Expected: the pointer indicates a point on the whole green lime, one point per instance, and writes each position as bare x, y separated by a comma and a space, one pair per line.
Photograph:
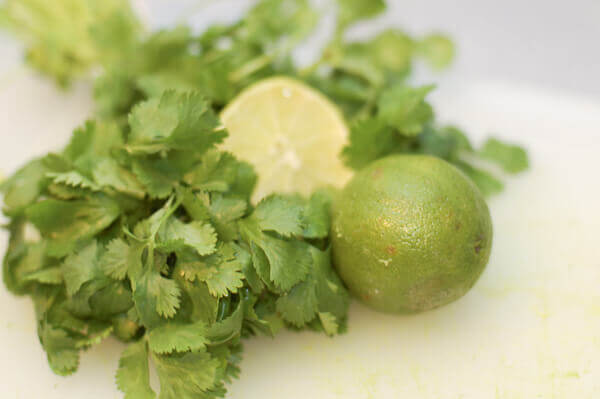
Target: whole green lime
410, 233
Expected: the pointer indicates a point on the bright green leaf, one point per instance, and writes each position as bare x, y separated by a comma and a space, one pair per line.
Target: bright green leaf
81, 267
66, 223
405, 109
512, 158
175, 337
281, 214
189, 375
133, 376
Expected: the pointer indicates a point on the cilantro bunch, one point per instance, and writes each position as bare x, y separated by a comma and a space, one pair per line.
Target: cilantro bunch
147, 233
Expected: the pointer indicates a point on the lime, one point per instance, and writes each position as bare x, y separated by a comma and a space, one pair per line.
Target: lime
410, 233
292, 135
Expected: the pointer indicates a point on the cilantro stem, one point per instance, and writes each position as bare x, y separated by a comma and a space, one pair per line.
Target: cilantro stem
250, 67
311, 69
368, 106
171, 208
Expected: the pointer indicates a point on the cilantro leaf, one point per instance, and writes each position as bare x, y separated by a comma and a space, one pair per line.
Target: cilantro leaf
67, 223
81, 267
155, 298
222, 172
370, 139
320, 292
316, 215
299, 306
197, 301
280, 214
92, 142
108, 173
329, 322
197, 235
176, 121
175, 337
157, 176
512, 158
288, 261
195, 205
405, 109
61, 349
64, 49
187, 375
487, 183
73, 179
276, 20
133, 376
119, 258
24, 187
52, 275
224, 213
224, 274
21, 261
392, 50
111, 300
353, 10
438, 50
228, 328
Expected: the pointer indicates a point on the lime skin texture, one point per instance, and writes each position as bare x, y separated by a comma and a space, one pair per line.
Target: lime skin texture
410, 233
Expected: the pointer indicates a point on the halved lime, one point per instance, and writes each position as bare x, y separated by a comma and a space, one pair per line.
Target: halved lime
292, 134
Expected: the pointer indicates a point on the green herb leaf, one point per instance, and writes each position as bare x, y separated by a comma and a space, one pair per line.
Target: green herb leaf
353, 10
174, 337
405, 109
81, 267
176, 121
155, 297
62, 351
512, 158
24, 187
282, 215
133, 376
438, 50
186, 376
197, 235
67, 223
487, 183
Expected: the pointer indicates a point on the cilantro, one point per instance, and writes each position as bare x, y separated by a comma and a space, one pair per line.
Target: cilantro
68, 223
405, 109
67, 38
353, 10
146, 231
437, 50
403, 122
173, 123
133, 376
80, 267
512, 158
173, 337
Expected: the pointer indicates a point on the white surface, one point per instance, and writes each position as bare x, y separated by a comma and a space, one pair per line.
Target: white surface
529, 329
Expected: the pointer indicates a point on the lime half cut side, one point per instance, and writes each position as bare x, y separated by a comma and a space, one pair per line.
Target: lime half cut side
290, 133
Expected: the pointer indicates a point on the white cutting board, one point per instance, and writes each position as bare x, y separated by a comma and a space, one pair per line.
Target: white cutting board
529, 329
